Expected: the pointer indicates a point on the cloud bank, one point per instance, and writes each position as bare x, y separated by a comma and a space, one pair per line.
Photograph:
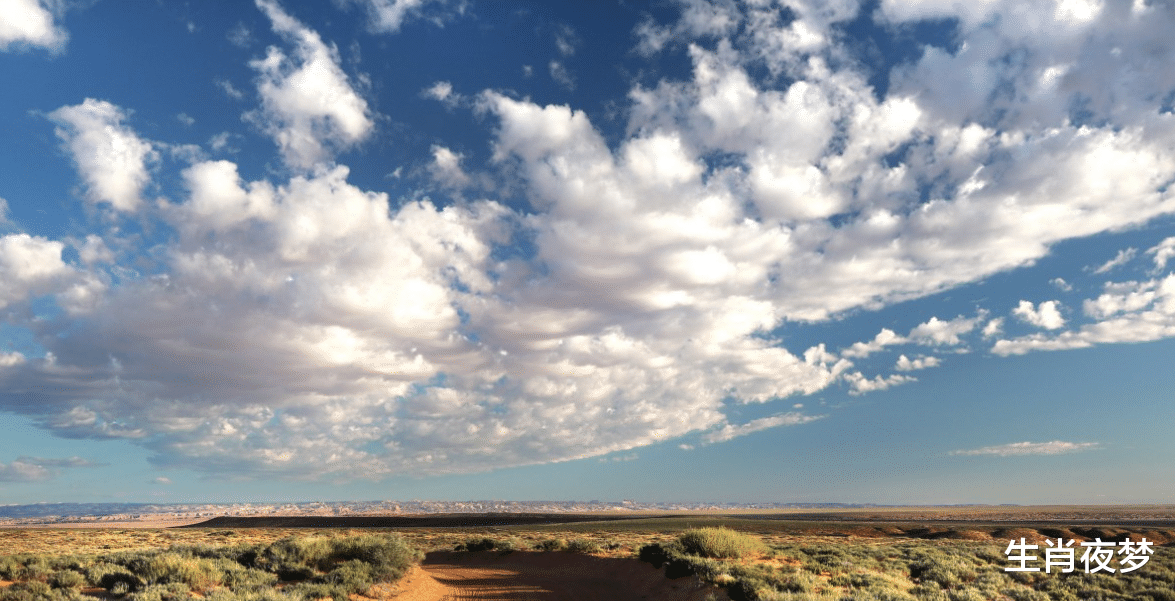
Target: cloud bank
300, 326
1056, 447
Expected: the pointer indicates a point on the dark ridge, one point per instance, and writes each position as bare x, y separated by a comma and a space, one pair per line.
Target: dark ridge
898, 518
437, 520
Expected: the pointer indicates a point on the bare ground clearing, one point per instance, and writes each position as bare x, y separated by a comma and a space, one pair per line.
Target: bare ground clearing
526, 576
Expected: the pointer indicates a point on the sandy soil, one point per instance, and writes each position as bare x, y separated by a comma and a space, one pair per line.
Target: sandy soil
525, 576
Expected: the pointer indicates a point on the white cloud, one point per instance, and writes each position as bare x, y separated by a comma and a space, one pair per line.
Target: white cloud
1047, 315
446, 168
25, 23
938, 332
699, 19
566, 40
111, 158
36, 469
1061, 284
886, 337
229, 89
1126, 312
561, 75
906, 364
1124, 256
304, 323
94, 250
1163, 252
859, 384
442, 91
1056, 447
730, 431
387, 16
30, 266
308, 104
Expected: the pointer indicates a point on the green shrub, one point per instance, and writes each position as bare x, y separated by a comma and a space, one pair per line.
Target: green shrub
317, 590
390, 556
174, 591
171, 568
718, 542
66, 579
354, 576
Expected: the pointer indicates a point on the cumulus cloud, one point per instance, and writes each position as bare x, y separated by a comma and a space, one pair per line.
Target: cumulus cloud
886, 337
308, 104
1056, 447
31, 23
442, 91
859, 384
1047, 315
446, 168
1125, 312
993, 328
110, 157
36, 469
651, 278
939, 332
30, 266
731, 431
906, 364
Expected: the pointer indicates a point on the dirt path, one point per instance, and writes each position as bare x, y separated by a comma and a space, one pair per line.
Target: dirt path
523, 576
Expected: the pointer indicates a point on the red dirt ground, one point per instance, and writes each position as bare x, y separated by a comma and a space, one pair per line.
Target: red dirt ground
555, 576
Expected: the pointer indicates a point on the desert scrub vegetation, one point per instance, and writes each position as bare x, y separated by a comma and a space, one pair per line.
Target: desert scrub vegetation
720, 542
907, 571
290, 569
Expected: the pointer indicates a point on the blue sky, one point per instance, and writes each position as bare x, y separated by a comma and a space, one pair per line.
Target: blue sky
906, 251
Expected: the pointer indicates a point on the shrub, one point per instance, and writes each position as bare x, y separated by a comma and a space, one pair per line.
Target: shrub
66, 579
390, 556
583, 545
120, 582
318, 590
354, 576
169, 568
718, 542
175, 591
477, 544
551, 544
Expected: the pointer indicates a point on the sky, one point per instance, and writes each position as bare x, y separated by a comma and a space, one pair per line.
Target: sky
893, 251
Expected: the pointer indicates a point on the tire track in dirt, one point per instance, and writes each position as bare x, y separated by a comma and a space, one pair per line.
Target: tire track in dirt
555, 576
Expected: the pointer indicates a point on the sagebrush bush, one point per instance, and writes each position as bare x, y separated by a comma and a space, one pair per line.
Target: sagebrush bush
583, 545
173, 568
66, 579
551, 544
719, 542
477, 544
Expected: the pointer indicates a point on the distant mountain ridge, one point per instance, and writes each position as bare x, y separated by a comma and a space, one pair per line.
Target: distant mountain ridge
337, 508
